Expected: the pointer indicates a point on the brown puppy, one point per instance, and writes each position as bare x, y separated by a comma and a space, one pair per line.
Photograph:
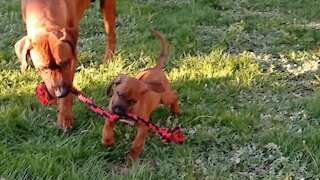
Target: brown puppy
52, 34
140, 95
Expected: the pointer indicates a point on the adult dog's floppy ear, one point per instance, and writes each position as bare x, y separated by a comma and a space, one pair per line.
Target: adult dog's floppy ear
70, 35
63, 44
22, 48
116, 81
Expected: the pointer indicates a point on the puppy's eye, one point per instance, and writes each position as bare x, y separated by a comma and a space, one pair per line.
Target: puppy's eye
119, 93
132, 101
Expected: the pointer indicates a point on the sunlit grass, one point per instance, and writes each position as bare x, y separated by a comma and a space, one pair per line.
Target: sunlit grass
247, 78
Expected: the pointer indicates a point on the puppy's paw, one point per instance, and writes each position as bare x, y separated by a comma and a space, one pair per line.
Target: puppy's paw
108, 134
108, 141
132, 155
65, 123
175, 110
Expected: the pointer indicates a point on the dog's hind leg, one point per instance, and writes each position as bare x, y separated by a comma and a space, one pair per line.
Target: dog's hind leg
174, 105
170, 99
108, 10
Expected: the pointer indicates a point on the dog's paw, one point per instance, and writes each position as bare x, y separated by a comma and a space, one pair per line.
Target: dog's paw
132, 155
65, 123
175, 111
108, 56
108, 141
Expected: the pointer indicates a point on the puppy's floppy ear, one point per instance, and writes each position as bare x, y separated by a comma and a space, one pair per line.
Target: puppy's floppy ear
22, 49
155, 86
116, 81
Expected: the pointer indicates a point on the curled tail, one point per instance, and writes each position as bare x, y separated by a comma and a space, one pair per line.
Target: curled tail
163, 54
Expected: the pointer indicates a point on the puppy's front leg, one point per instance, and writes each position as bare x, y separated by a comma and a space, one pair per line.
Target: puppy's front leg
65, 115
108, 134
138, 143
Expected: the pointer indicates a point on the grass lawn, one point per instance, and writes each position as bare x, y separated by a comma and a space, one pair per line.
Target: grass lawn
247, 77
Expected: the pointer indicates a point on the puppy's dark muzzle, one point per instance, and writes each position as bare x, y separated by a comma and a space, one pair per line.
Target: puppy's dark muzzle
118, 110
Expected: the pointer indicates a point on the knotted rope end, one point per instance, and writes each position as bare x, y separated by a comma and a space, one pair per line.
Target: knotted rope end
43, 95
177, 135
174, 135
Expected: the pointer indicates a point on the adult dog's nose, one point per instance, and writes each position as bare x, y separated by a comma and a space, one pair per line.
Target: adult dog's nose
61, 92
118, 110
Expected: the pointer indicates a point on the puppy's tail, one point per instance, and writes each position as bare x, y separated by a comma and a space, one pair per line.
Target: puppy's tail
163, 54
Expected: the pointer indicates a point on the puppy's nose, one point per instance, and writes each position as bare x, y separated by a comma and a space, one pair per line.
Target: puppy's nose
61, 92
118, 110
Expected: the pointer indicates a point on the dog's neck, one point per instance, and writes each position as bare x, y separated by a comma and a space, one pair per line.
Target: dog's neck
56, 30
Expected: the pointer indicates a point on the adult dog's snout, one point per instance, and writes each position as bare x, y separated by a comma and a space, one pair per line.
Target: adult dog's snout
62, 91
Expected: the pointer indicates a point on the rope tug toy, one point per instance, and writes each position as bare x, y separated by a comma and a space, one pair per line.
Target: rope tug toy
167, 134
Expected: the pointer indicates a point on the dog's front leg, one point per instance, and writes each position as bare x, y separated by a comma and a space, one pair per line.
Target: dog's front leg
108, 133
65, 115
138, 143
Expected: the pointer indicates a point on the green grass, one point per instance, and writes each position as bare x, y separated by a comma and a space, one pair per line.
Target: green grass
247, 77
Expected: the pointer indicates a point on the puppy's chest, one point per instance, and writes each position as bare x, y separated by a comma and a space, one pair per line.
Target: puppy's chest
147, 106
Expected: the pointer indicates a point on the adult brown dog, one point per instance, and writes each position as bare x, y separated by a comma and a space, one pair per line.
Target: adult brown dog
52, 34
140, 95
